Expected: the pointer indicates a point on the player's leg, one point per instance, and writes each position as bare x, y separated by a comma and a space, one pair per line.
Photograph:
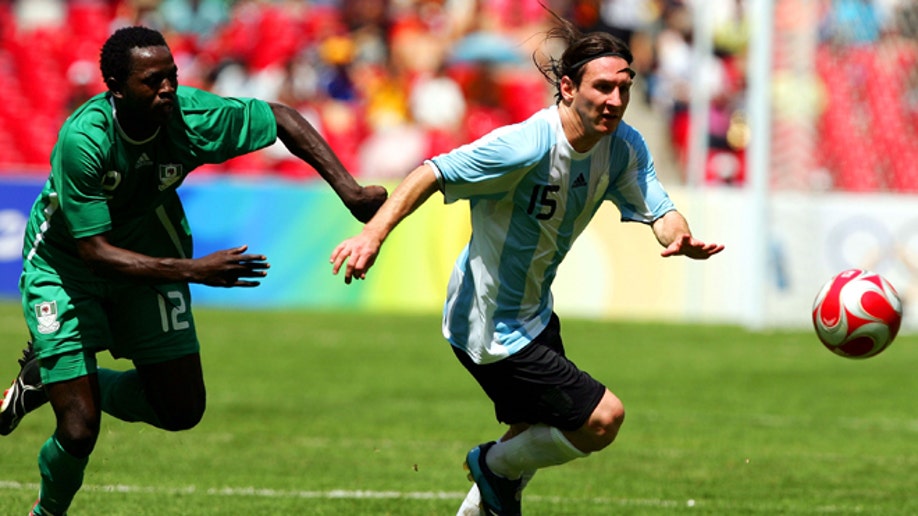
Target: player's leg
73, 392
155, 329
471, 505
175, 390
65, 324
494, 492
560, 439
123, 397
543, 445
539, 384
601, 428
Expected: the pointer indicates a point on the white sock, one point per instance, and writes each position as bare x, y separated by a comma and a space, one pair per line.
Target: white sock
471, 506
538, 446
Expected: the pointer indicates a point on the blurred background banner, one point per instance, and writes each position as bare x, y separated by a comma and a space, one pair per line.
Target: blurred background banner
297, 225
16, 197
614, 270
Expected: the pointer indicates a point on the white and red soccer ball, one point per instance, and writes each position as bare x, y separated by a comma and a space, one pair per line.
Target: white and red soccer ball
857, 314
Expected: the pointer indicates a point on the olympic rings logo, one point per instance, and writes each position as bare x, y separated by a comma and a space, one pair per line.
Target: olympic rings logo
868, 243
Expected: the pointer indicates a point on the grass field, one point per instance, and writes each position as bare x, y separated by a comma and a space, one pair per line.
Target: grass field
359, 414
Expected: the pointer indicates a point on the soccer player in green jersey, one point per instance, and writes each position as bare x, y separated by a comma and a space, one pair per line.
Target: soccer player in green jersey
108, 252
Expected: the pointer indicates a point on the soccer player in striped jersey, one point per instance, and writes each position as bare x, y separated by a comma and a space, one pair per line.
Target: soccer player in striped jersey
532, 188
108, 252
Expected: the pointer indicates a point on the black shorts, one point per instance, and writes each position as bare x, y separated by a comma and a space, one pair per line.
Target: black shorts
538, 384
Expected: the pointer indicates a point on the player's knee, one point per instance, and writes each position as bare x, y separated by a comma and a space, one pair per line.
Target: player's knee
77, 439
176, 422
184, 417
605, 422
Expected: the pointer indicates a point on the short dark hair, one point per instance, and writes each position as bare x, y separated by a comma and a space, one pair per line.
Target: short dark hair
115, 57
580, 49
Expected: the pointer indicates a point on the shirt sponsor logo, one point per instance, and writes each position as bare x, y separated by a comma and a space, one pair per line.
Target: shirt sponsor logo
46, 313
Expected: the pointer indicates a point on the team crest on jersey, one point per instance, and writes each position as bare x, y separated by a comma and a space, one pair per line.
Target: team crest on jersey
46, 313
169, 174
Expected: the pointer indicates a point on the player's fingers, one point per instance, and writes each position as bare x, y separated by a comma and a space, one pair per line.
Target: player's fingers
251, 258
339, 257
671, 249
349, 272
251, 274
336, 252
361, 263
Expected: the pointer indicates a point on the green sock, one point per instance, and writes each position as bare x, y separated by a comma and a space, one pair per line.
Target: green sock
61, 477
123, 397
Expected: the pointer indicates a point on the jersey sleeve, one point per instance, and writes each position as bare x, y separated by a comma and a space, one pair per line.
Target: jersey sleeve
636, 190
78, 178
226, 127
493, 165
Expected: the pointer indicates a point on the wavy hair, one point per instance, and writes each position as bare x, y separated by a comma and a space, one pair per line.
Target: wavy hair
580, 49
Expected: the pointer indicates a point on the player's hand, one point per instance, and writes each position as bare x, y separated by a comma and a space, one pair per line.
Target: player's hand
692, 248
359, 253
367, 202
226, 268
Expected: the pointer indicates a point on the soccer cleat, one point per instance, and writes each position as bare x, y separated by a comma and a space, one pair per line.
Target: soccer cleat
26, 394
43, 513
499, 496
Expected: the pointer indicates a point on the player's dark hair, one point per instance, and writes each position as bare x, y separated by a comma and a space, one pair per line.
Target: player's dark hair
580, 49
115, 57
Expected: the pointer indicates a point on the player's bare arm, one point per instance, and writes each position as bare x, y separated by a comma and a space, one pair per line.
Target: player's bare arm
225, 268
360, 252
673, 233
302, 139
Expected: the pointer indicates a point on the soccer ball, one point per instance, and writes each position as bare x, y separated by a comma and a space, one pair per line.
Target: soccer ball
857, 314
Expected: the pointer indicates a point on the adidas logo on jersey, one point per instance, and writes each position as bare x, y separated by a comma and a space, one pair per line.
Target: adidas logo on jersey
143, 161
580, 181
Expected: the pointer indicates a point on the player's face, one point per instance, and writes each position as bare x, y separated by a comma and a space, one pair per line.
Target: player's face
148, 94
603, 95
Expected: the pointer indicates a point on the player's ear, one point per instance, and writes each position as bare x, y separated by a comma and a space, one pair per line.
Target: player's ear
113, 86
567, 89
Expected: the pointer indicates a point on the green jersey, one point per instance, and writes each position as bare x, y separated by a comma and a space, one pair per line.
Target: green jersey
103, 181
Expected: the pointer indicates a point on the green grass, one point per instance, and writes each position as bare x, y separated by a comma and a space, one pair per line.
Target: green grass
352, 414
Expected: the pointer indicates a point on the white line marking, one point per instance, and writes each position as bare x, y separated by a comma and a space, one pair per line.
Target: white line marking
331, 494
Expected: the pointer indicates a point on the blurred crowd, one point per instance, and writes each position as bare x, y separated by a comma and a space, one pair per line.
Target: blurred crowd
387, 82
391, 82
867, 65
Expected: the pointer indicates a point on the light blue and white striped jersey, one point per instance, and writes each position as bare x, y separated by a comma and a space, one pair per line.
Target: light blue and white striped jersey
531, 194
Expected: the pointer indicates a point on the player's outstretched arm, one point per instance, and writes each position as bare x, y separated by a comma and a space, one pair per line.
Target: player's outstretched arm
357, 254
673, 233
302, 139
226, 268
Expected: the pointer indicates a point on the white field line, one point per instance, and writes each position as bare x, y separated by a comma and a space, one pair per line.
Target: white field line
333, 494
